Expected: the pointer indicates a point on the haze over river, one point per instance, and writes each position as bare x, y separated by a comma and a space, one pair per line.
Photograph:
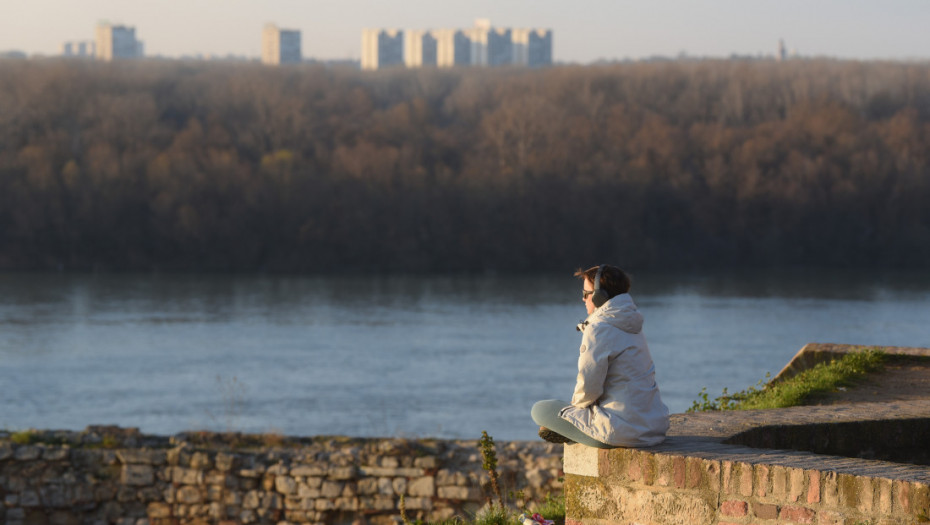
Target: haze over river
399, 356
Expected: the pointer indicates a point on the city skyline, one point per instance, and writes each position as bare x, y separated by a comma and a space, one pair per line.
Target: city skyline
607, 30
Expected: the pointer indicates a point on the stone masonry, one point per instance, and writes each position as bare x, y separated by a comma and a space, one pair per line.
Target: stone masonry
108, 475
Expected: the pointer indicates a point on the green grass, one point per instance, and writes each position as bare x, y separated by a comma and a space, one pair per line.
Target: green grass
799, 389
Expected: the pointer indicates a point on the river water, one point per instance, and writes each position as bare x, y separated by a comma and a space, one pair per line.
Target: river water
398, 356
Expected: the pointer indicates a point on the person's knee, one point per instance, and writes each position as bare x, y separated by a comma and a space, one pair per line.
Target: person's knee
545, 410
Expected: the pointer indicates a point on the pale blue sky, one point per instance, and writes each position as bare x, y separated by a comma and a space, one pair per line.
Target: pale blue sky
584, 30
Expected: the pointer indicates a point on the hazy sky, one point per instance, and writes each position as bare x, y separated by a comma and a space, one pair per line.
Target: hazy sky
583, 30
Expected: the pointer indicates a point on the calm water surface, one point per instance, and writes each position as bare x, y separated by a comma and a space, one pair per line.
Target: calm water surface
397, 356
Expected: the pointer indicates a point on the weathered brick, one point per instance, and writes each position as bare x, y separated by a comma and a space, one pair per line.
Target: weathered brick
795, 484
764, 511
830, 517
694, 472
711, 474
745, 479
847, 490
679, 467
901, 496
829, 489
866, 494
762, 480
884, 496
813, 486
663, 469
797, 514
779, 482
734, 508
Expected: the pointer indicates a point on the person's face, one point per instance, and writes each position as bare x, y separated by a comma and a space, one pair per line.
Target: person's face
588, 291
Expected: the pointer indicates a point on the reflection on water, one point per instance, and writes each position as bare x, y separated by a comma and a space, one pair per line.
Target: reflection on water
437, 356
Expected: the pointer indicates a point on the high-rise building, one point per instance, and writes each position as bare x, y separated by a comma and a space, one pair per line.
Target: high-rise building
532, 47
85, 49
382, 48
420, 48
280, 46
453, 48
116, 42
481, 45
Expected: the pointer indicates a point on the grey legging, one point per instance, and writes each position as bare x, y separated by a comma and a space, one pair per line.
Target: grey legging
546, 414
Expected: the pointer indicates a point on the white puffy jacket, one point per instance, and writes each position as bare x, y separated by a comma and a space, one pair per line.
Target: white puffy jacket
616, 399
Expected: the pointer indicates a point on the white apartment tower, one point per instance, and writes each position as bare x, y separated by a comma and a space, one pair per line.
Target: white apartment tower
116, 42
420, 48
280, 46
382, 48
481, 45
532, 47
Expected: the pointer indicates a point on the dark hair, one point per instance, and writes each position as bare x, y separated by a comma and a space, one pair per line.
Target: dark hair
613, 280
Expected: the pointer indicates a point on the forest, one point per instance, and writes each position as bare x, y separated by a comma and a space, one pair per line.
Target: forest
159, 165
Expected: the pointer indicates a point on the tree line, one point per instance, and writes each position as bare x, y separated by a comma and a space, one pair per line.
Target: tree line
184, 166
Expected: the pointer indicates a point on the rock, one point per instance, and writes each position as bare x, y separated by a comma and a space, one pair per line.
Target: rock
137, 475
285, 484
26, 453
189, 495
425, 486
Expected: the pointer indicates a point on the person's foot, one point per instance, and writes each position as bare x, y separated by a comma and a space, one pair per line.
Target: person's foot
552, 436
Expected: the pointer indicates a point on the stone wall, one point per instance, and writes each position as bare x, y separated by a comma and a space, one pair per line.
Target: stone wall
108, 475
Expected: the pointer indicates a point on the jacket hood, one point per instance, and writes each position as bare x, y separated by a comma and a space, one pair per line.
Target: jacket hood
620, 311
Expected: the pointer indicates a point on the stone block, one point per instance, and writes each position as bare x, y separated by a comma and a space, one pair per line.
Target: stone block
399, 485
224, 461
201, 461
711, 474
29, 498
422, 487
389, 462
26, 453
158, 510
418, 503
285, 485
830, 517
460, 493
331, 489
6, 450
186, 476
137, 475
581, 460
426, 462
251, 500
55, 454
866, 494
368, 486
347, 504
342, 473
307, 471
189, 495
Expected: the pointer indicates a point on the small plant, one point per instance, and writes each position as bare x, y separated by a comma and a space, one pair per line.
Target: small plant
25, 437
553, 508
402, 506
489, 463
